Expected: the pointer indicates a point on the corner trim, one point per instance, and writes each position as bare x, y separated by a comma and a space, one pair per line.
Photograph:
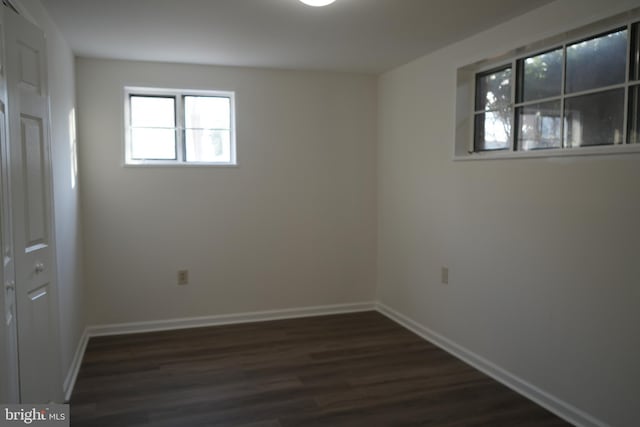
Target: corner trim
225, 319
562, 409
72, 374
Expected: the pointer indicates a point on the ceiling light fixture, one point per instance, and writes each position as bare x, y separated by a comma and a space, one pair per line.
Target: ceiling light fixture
317, 3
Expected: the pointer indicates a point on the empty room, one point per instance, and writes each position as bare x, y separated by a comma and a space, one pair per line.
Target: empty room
280, 213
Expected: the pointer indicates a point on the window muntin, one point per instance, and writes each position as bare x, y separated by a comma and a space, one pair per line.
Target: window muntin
176, 127
634, 115
552, 102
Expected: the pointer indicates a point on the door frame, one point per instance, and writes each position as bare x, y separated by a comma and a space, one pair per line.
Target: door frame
9, 381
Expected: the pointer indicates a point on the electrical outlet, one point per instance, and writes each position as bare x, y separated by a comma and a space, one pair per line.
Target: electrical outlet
183, 277
445, 275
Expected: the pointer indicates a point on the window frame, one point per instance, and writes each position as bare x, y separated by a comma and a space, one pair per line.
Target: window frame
465, 138
178, 96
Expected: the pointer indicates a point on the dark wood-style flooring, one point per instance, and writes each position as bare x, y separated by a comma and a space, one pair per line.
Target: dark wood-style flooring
357, 369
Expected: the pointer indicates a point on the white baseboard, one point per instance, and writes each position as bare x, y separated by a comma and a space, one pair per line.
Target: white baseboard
544, 399
562, 409
195, 322
72, 375
225, 319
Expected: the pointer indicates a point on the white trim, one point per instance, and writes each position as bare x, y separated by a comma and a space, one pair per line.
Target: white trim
72, 375
197, 322
562, 409
179, 110
174, 164
225, 319
22, 10
595, 150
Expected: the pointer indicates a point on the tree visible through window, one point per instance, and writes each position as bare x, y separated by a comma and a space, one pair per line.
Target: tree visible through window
567, 96
493, 110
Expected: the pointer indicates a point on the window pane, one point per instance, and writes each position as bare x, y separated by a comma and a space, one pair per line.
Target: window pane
493, 90
207, 112
598, 62
634, 66
540, 76
540, 126
153, 144
634, 115
153, 111
595, 119
492, 131
208, 146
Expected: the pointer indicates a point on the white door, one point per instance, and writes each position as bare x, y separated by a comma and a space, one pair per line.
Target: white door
9, 386
36, 294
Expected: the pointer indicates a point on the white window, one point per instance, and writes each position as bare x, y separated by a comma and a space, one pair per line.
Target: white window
572, 94
171, 127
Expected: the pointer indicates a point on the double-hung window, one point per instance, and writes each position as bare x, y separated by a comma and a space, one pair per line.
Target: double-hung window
567, 94
165, 127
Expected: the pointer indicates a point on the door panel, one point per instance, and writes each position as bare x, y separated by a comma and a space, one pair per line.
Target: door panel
36, 296
29, 77
33, 387
32, 157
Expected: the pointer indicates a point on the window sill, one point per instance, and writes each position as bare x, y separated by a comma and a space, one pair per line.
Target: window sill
179, 165
562, 152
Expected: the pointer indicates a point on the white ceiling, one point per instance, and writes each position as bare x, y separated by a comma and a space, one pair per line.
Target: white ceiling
350, 35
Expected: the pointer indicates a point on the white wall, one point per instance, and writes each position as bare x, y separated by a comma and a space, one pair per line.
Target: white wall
543, 253
294, 225
66, 202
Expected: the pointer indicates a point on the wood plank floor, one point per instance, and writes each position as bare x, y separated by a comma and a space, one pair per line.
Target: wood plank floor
345, 370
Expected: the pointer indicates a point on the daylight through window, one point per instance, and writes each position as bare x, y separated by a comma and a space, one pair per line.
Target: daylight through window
171, 127
582, 93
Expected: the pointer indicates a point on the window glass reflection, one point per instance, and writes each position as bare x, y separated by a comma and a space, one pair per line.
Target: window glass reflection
595, 119
493, 90
540, 126
540, 76
598, 62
